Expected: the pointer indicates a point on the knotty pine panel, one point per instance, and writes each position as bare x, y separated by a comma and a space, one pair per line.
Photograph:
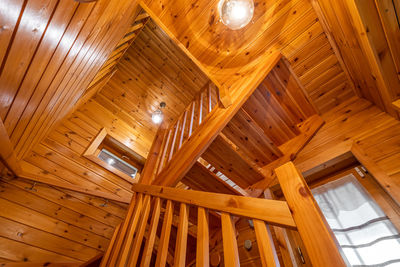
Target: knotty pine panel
50, 52
50, 225
291, 26
357, 120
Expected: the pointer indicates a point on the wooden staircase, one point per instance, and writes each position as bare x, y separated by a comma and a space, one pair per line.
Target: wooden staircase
251, 143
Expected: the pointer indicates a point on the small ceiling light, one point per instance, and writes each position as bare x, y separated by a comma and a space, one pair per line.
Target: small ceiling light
236, 13
158, 115
110, 161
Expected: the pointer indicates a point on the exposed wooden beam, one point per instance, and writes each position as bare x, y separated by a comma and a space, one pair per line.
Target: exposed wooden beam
290, 150
315, 232
205, 134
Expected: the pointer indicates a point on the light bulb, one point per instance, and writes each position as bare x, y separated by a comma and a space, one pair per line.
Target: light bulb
110, 161
157, 116
236, 13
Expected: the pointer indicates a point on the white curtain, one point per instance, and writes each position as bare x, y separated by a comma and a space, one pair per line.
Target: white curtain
366, 235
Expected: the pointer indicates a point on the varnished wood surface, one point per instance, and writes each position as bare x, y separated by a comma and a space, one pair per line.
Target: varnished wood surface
48, 224
51, 51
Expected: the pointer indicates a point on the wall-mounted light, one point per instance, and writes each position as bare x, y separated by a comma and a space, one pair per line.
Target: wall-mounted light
158, 116
236, 14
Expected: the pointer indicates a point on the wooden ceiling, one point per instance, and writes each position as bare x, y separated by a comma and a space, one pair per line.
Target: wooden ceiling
153, 70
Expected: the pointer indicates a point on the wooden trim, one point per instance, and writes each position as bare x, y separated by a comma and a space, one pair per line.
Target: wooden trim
315, 232
273, 211
396, 104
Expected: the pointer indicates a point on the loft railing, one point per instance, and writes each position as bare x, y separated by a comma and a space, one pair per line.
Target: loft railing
299, 211
192, 117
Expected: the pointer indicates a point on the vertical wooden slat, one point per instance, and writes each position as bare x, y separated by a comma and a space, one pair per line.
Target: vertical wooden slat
209, 100
231, 254
148, 248
133, 207
200, 110
181, 238
129, 233
318, 238
202, 253
106, 256
165, 233
265, 244
137, 243
183, 128
165, 152
171, 152
192, 118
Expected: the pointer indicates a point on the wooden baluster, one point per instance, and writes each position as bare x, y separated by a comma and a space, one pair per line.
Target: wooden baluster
165, 233
164, 153
192, 118
137, 243
130, 232
134, 208
183, 128
172, 151
209, 100
181, 238
200, 108
148, 248
202, 253
106, 256
265, 244
315, 232
231, 254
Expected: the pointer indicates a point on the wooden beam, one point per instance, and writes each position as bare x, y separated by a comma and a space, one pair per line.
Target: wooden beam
290, 150
205, 134
72, 187
273, 211
315, 232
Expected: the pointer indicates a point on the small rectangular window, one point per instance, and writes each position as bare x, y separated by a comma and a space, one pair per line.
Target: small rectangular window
117, 163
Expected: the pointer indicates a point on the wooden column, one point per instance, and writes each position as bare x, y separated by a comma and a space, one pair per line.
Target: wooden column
318, 238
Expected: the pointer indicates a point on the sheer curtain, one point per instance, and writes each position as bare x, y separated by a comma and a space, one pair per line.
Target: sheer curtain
365, 234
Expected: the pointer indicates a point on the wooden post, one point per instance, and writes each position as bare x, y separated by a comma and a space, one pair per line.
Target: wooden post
265, 244
231, 254
165, 234
318, 238
202, 253
181, 238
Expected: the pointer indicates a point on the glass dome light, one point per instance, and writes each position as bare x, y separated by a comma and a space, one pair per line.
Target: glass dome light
158, 116
236, 14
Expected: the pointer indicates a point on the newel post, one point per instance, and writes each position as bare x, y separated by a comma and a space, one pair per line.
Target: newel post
318, 238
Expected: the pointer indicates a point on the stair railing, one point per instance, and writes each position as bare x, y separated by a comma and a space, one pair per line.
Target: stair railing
191, 118
299, 212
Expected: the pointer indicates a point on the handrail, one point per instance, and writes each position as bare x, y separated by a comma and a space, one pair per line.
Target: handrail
272, 211
303, 216
191, 118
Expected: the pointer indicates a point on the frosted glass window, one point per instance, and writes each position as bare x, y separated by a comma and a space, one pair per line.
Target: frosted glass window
365, 234
117, 163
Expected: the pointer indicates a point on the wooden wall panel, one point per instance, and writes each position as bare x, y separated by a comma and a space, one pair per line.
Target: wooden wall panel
359, 121
291, 26
50, 51
47, 224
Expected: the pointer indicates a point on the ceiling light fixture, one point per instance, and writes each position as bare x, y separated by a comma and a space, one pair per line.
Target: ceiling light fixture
157, 116
236, 14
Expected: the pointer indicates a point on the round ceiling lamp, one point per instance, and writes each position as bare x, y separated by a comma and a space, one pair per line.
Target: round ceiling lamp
158, 116
236, 14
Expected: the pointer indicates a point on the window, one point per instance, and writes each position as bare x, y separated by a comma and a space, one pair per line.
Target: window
117, 163
365, 233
